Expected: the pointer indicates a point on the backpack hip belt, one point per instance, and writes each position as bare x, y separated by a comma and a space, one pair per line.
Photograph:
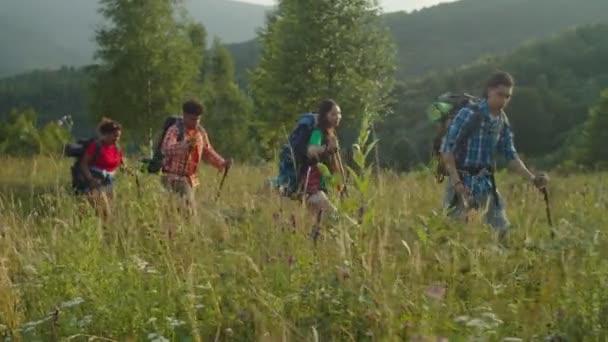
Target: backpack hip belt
103, 173
481, 171
475, 171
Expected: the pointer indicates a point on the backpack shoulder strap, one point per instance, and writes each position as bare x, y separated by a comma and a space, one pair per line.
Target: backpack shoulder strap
505, 120
180, 129
97, 143
473, 125
201, 130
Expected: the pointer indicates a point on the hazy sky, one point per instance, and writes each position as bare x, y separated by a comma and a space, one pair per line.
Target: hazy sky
388, 5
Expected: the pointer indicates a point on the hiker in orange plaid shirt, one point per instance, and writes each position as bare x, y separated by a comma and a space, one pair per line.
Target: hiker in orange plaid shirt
181, 158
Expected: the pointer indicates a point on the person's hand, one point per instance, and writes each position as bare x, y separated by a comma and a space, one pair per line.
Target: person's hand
460, 188
464, 194
332, 146
540, 180
191, 142
228, 164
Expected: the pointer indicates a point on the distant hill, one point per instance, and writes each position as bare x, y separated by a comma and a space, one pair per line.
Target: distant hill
451, 34
38, 34
559, 70
52, 94
557, 80
48, 34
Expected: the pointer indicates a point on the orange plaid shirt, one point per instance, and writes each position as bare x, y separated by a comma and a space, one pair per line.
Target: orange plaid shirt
181, 162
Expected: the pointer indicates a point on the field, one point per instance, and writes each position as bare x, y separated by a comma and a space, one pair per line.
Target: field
246, 269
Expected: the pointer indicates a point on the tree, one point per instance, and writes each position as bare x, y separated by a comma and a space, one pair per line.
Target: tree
316, 49
597, 132
149, 63
20, 136
229, 111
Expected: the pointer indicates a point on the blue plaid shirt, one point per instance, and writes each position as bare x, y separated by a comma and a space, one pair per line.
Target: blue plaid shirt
478, 150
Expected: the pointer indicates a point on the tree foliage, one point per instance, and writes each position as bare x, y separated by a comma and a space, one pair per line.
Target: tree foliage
317, 49
51, 94
556, 81
149, 63
452, 34
229, 111
20, 135
597, 132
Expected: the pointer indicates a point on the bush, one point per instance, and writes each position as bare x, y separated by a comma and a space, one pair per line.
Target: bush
20, 136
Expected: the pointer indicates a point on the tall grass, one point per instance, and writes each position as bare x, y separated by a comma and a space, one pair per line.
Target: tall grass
244, 268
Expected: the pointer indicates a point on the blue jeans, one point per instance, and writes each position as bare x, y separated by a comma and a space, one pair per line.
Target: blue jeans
495, 215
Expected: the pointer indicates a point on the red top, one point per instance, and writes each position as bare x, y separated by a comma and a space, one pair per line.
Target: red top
108, 159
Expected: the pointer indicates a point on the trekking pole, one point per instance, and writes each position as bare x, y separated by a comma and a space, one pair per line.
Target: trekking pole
219, 190
547, 206
137, 184
316, 230
306, 185
134, 174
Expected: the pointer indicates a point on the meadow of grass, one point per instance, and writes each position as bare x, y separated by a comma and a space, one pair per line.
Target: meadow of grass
246, 269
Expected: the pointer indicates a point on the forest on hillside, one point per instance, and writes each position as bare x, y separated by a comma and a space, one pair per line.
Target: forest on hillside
558, 80
448, 35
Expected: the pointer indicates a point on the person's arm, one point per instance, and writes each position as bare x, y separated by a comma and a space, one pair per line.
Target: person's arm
460, 121
170, 145
211, 156
517, 166
123, 164
315, 148
506, 146
85, 164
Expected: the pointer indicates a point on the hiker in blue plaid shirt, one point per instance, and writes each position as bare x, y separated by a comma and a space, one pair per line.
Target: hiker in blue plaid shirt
471, 165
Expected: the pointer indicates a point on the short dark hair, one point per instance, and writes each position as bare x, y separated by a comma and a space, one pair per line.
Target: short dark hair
499, 78
108, 126
193, 107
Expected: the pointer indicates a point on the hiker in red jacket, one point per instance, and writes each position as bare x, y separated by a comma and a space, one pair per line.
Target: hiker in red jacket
99, 164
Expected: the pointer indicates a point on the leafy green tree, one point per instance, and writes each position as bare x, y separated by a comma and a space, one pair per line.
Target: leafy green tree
597, 132
53, 137
229, 111
149, 63
20, 136
316, 49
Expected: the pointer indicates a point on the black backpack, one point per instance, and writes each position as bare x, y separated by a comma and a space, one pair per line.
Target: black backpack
77, 150
155, 164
